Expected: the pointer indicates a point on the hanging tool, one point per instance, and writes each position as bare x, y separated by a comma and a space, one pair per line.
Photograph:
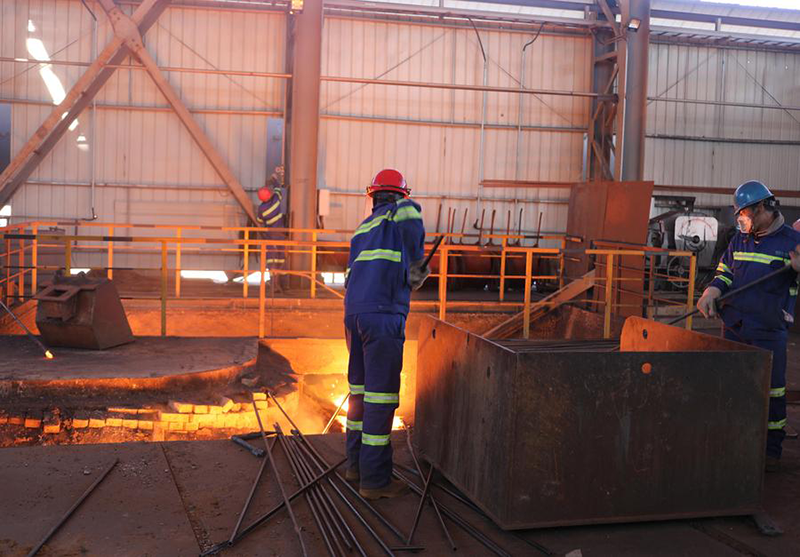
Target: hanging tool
735, 292
47, 353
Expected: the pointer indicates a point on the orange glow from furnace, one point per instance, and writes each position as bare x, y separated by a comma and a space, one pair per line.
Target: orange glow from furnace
48, 355
397, 422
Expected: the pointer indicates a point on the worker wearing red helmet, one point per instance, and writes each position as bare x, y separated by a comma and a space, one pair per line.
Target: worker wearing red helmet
270, 215
761, 315
385, 265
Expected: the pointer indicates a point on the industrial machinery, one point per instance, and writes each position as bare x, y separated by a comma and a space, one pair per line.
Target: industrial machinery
82, 312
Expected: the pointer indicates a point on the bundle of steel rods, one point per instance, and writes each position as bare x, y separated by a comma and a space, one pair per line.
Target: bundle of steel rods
325, 490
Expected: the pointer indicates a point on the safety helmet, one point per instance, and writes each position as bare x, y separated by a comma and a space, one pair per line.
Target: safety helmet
389, 180
750, 193
265, 194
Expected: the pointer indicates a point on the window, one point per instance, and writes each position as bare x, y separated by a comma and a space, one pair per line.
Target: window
5, 213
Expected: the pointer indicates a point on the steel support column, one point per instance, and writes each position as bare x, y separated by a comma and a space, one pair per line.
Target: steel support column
631, 151
307, 32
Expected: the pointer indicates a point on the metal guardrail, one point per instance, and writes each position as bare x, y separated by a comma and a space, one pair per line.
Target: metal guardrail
24, 241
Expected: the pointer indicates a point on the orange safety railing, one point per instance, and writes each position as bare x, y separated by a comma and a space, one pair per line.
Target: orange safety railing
23, 243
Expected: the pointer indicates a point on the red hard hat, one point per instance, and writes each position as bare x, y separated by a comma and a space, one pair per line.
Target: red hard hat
264, 194
389, 180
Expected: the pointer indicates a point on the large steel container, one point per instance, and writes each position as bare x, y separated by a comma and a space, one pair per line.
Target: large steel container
671, 424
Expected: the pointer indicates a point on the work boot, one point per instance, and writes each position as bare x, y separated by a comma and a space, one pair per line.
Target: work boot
352, 474
773, 464
394, 488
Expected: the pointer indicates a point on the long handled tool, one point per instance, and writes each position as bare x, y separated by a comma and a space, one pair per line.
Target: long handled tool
433, 251
735, 292
47, 353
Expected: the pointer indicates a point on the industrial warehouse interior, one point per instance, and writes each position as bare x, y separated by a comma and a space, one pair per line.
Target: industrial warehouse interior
390, 277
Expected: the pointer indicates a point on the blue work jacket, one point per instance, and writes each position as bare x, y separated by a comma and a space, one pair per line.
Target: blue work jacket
768, 307
381, 251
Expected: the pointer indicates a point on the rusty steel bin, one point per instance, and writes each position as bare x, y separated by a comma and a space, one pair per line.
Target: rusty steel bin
665, 424
82, 312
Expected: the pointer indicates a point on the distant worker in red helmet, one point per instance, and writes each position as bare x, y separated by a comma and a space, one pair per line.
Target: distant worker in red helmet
270, 214
385, 265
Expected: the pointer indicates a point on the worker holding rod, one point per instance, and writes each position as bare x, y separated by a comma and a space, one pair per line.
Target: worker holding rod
762, 314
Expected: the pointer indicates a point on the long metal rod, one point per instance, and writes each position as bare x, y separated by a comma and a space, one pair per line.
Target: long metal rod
307, 448
455, 517
423, 497
77, 504
352, 490
286, 499
333, 418
47, 353
433, 500
141, 108
319, 461
310, 496
249, 496
266, 516
724, 103
335, 518
465, 87
735, 292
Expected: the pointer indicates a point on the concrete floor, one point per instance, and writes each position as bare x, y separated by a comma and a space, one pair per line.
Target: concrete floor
174, 499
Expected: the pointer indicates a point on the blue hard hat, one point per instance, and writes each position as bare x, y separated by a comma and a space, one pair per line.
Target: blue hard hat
749, 194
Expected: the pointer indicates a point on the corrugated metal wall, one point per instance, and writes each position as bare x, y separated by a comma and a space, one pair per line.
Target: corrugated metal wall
149, 171
147, 167
433, 135
722, 146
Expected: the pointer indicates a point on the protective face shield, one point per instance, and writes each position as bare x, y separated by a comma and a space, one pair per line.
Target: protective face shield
744, 220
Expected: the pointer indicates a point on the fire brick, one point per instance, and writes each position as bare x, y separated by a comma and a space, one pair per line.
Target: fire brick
177, 426
173, 417
33, 420
97, 422
16, 419
259, 396
145, 424
80, 421
52, 423
181, 407
201, 408
130, 424
114, 422
226, 403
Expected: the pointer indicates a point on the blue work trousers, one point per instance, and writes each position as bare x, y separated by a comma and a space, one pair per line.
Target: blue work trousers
375, 342
777, 392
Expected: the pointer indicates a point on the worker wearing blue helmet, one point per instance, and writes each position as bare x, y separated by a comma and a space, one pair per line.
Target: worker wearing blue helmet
760, 316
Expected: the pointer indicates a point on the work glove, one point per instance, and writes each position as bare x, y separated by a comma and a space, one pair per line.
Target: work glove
795, 255
417, 275
707, 304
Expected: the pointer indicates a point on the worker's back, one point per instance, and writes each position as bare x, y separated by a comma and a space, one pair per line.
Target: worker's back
381, 250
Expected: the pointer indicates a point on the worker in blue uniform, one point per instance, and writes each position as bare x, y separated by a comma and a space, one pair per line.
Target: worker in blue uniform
385, 264
270, 215
760, 316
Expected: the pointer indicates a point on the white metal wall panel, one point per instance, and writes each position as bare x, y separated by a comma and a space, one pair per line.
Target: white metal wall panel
433, 135
143, 144
723, 146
